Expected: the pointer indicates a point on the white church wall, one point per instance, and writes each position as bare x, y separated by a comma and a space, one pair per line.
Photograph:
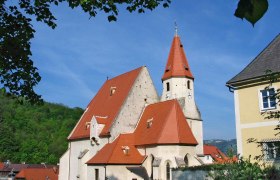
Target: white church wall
207, 159
78, 166
113, 172
64, 165
179, 89
167, 153
143, 92
91, 172
70, 160
197, 130
121, 172
75, 148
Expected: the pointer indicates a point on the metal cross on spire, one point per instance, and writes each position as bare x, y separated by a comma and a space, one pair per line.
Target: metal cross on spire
176, 29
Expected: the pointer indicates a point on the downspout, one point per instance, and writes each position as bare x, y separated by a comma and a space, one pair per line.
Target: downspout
231, 88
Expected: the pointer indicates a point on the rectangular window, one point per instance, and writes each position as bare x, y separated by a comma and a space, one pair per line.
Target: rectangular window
268, 100
167, 87
96, 174
271, 150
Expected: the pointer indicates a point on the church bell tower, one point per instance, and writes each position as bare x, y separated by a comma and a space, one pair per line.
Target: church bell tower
178, 83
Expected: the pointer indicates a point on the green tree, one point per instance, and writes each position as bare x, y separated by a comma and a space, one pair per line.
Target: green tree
243, 169
18, 75
34, 134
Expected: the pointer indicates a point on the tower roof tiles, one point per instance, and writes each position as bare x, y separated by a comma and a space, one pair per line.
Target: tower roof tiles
177, 64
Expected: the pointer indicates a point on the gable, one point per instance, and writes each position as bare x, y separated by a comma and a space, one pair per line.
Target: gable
105, 105
167, 126
114, 153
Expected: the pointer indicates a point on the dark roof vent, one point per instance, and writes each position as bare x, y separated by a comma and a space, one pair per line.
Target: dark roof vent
167, 69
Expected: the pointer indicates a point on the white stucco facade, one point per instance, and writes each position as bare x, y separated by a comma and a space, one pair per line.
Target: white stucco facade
167, 153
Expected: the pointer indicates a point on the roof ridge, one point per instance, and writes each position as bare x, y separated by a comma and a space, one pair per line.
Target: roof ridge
125, 73
113, 149
164, 124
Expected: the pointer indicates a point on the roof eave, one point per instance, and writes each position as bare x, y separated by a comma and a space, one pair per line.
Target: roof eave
249, 82
106, 164
169, 77
173, 144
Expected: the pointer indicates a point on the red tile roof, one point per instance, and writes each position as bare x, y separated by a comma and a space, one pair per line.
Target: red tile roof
1, 165
113, 153
104, 105
215, 153
168, 125
177, 64
37, 174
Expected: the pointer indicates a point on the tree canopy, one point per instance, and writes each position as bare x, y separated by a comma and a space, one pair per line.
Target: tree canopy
18, 75
34, 134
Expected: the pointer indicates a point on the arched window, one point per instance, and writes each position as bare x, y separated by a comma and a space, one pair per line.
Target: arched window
168, 171
186, 160
189, 85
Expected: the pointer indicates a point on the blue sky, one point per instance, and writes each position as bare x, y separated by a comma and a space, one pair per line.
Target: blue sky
75, 58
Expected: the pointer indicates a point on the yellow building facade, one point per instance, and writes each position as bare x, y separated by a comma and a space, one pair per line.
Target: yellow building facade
254, 98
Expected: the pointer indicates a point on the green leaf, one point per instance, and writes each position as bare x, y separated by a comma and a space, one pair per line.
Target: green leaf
3, 90
112, 18
251, 10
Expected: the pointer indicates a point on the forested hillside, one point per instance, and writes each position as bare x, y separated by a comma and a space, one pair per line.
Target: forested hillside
226, 146
34, 134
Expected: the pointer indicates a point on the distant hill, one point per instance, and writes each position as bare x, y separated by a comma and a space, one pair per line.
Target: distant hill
223, 145
34, 134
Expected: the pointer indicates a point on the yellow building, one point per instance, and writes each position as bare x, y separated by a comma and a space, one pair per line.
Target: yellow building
254, 98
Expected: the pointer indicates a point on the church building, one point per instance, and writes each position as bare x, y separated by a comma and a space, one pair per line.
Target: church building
128, 132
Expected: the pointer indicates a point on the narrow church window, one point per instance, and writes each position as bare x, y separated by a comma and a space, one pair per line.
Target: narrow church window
167, 171
97, 174
189, 85
186, 160
152, 173
167, 86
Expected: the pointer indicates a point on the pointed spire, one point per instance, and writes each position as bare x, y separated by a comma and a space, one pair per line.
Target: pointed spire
177, 63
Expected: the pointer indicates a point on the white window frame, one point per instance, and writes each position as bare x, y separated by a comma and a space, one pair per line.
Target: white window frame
262, 109
273, 149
